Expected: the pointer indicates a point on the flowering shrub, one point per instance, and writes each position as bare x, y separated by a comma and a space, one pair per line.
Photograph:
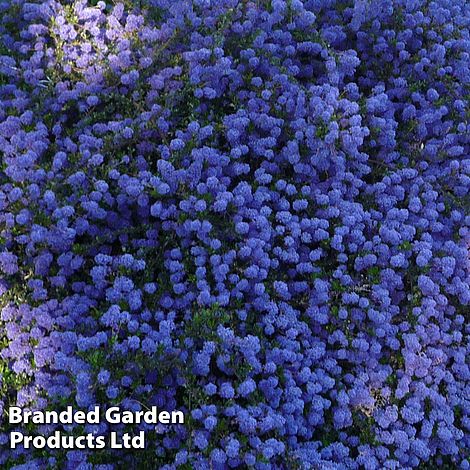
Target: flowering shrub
254, 211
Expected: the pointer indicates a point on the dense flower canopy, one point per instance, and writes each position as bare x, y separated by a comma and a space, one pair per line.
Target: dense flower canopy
254, 211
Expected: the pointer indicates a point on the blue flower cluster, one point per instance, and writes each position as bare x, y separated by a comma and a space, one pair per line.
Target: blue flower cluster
254, 211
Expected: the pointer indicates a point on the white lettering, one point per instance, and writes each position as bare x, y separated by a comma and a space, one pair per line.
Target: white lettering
15, 438
93, 417
127, 417
39, 442
113, 417
80, 417
114, 444
164, 417
100, 442
138, 442
15, 415
177, 417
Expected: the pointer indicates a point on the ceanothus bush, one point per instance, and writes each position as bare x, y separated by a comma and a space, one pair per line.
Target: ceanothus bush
253, 211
